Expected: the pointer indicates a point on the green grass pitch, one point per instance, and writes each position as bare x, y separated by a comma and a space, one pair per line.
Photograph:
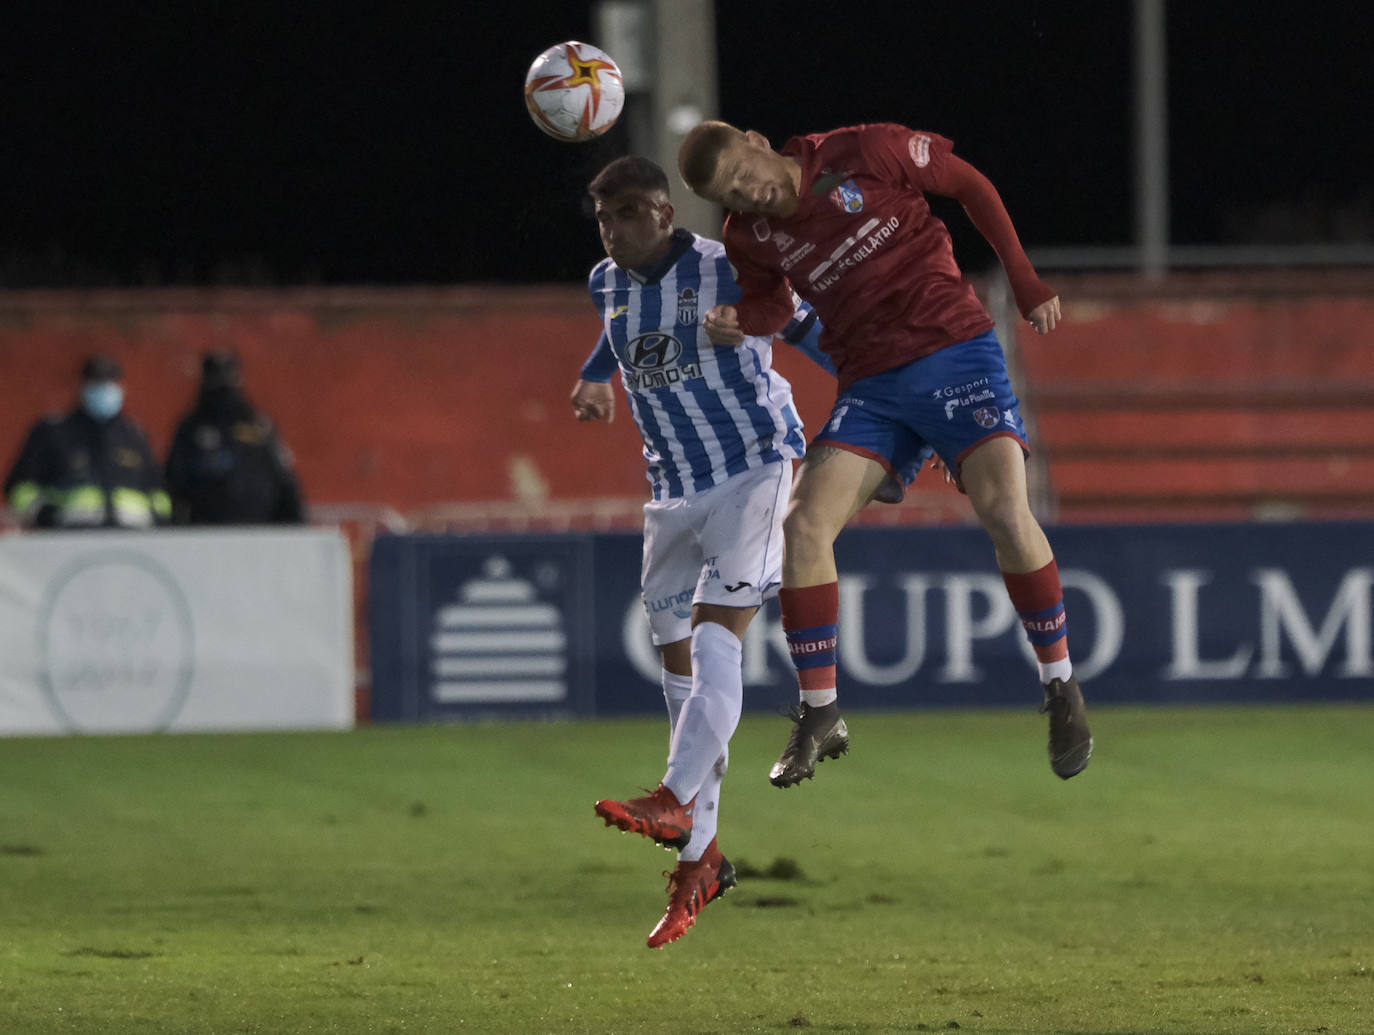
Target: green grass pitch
1211, 871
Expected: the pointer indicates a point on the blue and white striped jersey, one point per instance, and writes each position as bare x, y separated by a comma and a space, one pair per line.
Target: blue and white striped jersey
705, 411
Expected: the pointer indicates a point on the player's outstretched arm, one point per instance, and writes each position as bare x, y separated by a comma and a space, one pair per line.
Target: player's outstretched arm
983, 204
593, 400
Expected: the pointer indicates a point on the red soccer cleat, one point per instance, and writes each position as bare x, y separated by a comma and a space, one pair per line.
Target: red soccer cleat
659, 817
691, 886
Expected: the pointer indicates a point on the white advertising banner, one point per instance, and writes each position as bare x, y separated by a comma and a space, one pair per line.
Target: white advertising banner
175, 631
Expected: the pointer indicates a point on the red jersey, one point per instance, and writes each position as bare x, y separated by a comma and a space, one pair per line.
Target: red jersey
865, 250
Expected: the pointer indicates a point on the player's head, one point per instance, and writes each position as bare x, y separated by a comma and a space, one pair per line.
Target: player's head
219, 370
633, 213
738, 169
102, 387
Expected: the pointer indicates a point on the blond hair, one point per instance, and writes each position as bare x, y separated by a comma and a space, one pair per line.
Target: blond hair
700, 152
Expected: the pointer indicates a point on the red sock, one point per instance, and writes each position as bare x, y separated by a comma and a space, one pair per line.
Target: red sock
810, 618
1039, 600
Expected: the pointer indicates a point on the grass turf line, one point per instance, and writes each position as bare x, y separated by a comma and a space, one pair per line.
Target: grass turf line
1211, 871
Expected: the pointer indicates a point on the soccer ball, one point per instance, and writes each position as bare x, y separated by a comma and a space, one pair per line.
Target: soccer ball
574, 91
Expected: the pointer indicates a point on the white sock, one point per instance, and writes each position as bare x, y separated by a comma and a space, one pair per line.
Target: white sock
706, 815
676, 690
709, 716
1060, 669
819, 698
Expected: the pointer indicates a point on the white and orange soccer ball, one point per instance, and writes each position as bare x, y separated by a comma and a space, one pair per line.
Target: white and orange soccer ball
574, 91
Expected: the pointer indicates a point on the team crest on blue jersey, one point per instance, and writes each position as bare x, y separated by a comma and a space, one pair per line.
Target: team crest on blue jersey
986, 416
687, 306
848, 197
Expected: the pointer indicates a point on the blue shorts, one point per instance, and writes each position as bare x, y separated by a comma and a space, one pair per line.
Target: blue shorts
947, 402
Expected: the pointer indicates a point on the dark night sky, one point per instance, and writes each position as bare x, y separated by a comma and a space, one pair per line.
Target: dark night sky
310, 142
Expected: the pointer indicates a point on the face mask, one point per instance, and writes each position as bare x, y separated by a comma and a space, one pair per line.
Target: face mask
102, 399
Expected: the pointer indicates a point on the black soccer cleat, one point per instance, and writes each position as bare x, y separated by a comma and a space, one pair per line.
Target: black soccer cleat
1071, 742
819, 733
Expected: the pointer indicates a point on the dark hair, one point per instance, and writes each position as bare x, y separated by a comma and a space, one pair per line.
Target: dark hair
219, 368
632, 172
700, 151
101, 367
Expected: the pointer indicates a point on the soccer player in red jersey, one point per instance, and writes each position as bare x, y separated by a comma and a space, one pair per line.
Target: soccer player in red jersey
842, 217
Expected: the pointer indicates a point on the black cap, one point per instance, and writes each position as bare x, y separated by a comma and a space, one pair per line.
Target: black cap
220, 367
101, 368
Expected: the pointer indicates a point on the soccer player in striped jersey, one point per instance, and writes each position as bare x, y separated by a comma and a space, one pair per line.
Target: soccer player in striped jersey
720, 434
842, 217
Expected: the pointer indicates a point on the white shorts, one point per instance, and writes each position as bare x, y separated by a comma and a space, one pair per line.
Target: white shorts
720, 546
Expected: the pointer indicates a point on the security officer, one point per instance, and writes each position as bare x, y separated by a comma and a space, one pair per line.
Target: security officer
91, 468
227, 465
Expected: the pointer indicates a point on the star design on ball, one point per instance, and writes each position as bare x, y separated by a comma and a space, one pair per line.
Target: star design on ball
585, 71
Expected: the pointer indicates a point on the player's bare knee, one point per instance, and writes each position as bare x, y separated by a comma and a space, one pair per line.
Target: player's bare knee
1003, 516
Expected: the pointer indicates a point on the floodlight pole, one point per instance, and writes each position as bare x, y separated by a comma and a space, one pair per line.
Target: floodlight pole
667, 51
1151, 139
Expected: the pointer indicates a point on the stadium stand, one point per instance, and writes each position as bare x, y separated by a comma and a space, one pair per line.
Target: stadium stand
1204, 396
1207, 397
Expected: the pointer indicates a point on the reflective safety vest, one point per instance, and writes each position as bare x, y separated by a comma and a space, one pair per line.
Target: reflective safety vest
78, 472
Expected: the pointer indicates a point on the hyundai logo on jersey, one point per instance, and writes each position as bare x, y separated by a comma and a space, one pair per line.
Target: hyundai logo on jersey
652, 351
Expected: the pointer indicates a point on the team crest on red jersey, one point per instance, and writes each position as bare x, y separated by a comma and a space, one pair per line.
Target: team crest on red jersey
848, 197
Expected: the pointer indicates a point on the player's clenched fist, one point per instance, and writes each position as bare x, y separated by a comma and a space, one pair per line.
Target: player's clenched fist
592, 400
721, 325
1045, 316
